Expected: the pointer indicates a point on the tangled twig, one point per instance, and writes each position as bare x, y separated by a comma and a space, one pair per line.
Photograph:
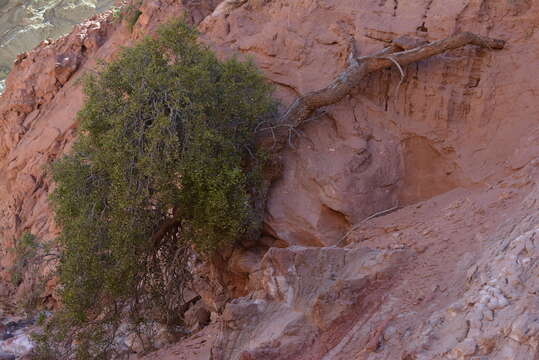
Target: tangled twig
375, 215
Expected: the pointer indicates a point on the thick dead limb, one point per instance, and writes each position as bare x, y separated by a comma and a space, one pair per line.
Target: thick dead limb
401, 52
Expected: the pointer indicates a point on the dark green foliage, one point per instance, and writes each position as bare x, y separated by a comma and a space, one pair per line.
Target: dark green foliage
165, 160
25, 251
29, 255
131, 13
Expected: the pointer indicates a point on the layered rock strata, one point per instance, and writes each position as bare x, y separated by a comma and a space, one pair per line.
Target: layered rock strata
453, 148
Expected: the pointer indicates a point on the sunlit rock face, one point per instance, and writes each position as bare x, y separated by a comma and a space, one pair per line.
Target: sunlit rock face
24, 23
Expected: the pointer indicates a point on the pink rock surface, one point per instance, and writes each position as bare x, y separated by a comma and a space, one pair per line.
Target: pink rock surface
451, 275
454, 121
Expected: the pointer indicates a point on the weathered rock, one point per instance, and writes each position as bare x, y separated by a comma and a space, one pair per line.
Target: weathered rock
36, 81
197, 317
212, 292
455, 145
24, 25
306, 291
7, 356
19, 345
335, 303
386, 142
245, 261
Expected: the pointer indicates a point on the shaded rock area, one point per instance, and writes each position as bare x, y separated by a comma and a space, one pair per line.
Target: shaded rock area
453, 149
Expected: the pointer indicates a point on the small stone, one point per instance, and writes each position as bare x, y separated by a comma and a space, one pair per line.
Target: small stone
390, 332
488, 315
7, 356
466, 348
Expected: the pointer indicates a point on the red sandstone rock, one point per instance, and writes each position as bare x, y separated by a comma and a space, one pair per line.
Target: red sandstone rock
451, 275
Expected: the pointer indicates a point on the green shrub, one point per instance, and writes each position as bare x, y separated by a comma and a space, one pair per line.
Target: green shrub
29, 256
165, 161
132, 18
129, 12
25, 251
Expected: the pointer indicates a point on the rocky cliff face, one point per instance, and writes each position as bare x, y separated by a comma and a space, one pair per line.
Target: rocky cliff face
24, 24
450, 273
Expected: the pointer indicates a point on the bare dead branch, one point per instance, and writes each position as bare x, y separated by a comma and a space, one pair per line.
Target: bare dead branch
277, 136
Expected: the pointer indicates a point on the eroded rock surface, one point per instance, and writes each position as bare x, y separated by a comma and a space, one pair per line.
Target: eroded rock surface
453, 147
305, 293
23, 24
453, 277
